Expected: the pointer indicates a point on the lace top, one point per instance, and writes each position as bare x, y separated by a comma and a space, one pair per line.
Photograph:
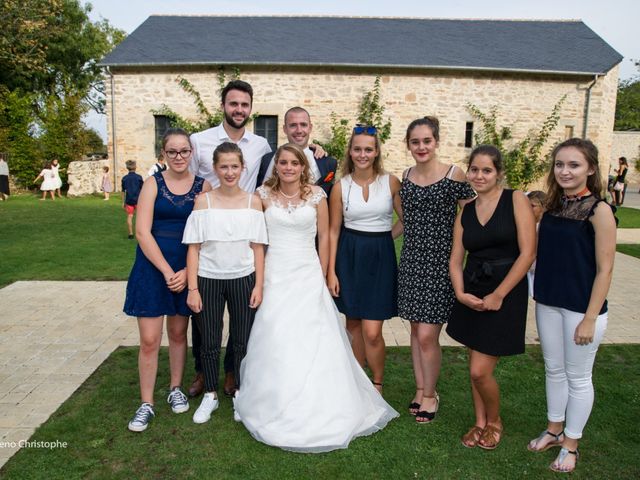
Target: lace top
274, 200
566, 261
170, 211
576, 209
292, 227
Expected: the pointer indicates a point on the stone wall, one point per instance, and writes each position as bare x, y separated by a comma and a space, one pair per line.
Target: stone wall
85, 177
524, 100
626, 144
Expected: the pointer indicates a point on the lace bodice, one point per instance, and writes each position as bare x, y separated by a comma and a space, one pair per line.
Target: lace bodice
576, 209
291, 226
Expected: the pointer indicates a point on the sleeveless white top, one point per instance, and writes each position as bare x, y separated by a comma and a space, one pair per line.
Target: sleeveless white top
374, 215
225, 235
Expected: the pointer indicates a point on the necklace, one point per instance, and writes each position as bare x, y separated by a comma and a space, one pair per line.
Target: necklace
578, 196
289, 196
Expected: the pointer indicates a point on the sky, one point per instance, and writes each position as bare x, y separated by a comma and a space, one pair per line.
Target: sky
616, 21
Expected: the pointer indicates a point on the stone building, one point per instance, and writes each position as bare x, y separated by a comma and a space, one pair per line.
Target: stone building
326, 64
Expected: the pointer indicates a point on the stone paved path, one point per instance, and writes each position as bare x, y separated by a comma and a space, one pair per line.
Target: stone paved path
53, 335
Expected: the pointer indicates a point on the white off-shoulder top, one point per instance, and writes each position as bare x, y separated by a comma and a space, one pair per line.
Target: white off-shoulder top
225, 235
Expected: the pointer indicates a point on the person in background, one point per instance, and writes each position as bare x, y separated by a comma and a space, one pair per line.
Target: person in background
618, 186
55, 167
48, 181
4, 179
105, 185
536, 199
159, 166
576, 248
131, 186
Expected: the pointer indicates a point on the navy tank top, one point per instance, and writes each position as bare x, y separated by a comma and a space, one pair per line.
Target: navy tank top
566, 261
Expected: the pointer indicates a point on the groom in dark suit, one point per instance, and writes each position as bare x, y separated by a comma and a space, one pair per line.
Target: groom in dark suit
297, 127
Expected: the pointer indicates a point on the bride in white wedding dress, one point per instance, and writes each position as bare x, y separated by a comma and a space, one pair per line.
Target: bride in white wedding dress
302, 388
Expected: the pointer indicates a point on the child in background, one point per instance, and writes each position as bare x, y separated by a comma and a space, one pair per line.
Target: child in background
536, 199
159, 166
48, 181
55, 168
106, 186
131, 186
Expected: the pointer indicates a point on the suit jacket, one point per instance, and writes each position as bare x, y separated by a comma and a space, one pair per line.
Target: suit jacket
326, 165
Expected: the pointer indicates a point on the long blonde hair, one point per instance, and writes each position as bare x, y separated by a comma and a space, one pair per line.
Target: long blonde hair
348, 167
273, 182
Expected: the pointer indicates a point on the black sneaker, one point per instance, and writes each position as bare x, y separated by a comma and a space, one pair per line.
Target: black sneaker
178, 401
142, 417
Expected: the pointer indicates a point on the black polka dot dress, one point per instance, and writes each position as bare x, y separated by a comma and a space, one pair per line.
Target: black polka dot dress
425, 293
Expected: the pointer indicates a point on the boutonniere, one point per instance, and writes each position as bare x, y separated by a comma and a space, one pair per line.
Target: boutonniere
329, 177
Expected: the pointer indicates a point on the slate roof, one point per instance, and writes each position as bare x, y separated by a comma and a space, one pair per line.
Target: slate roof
559, 47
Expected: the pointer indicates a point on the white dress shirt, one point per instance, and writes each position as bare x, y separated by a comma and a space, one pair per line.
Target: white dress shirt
204, 143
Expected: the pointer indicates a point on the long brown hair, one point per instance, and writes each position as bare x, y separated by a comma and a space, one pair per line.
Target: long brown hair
594, 182
273, 182
348, 167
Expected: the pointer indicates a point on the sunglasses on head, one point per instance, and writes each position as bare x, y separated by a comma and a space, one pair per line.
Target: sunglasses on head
368, 129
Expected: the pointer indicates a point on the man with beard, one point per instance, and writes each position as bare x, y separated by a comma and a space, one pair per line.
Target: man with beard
237, 100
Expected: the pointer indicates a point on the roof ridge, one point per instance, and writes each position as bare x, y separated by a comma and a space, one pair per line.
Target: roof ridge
470, 19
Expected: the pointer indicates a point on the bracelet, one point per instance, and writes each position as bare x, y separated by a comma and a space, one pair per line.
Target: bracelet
192, 289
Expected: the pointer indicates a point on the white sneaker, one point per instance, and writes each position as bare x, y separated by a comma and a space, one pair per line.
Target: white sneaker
207, 407
178, 401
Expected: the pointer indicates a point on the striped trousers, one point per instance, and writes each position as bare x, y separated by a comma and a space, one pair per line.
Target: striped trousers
215, 293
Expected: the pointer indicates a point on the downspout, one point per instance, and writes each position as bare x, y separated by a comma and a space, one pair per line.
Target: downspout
587, 103
113, 128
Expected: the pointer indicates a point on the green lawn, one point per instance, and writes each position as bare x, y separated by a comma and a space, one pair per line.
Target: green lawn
69, 239
86, 239
93, 423
629, 249
628, 217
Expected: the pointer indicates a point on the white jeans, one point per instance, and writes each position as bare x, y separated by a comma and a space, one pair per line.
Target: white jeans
567, 366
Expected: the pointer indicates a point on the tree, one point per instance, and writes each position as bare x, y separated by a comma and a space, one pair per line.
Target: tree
628, 104
49, 51
524, 162
370, 112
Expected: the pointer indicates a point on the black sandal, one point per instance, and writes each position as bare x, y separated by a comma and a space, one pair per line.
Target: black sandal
414, 406
427, 417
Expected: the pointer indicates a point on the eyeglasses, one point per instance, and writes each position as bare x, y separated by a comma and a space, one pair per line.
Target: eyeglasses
173, 154
361, 128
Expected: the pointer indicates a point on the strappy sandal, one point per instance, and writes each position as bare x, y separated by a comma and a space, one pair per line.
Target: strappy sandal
378, 384
490, 438
472, 437
427, 417
554, 443
564, 452
414, 406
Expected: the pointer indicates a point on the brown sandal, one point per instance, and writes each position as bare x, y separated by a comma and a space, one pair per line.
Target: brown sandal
472, 437
490, 438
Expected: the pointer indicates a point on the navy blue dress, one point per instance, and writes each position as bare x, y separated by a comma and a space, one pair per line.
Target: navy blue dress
147, 292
